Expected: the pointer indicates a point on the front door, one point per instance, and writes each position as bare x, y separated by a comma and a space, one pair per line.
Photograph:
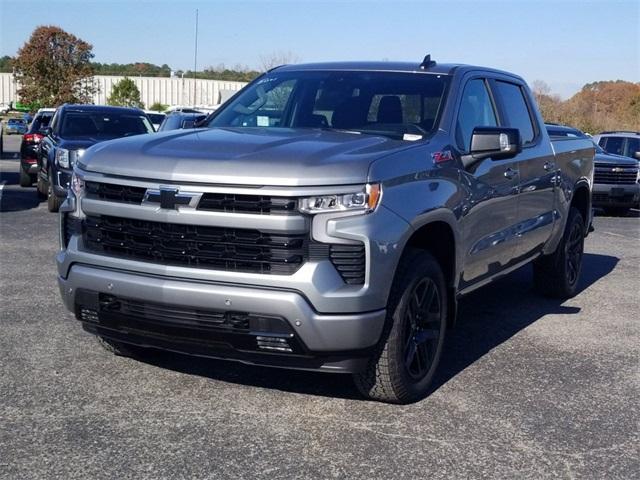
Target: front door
536, 162
490, 215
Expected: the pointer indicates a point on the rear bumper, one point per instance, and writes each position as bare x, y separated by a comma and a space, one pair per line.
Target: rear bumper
327, 342
605, 195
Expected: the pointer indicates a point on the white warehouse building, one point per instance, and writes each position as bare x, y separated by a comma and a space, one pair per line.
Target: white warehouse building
169, 91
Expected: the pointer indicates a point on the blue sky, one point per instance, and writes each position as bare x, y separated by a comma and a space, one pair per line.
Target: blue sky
565, 43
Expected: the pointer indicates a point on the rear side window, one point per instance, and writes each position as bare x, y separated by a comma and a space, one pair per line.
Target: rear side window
476, 110
515, 110
613, 145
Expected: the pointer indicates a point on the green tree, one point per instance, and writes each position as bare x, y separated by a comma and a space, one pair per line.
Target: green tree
125, 93
54, 67
158, 107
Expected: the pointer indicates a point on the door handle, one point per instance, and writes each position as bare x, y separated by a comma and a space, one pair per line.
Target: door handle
548, 166
510, 173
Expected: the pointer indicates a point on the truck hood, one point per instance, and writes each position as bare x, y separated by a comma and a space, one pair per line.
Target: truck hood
609, 158
244, 156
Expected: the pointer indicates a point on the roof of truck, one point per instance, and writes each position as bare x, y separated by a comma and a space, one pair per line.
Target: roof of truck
438, 68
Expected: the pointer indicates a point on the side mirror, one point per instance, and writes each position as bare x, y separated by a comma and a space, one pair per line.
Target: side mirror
45, 131
497, 143
636, 155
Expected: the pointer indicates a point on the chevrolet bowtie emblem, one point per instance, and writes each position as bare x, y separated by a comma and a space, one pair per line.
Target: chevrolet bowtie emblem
171, 198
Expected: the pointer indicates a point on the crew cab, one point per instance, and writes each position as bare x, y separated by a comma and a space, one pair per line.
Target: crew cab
73, 129
328, 217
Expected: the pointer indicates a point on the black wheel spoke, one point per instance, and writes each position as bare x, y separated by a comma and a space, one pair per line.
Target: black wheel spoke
422, 328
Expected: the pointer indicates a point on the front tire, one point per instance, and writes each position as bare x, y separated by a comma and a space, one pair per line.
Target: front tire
617, 211
557, 275
53, 202
403, 366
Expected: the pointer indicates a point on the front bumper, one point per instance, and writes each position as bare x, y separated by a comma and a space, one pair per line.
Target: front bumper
605, 195
329, 342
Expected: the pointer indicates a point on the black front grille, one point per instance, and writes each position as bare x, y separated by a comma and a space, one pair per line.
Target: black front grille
615, 174
230, 249
256, 204
114, 193
350, 261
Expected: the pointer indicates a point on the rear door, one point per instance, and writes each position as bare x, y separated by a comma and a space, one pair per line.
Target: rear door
536, 164
490, 217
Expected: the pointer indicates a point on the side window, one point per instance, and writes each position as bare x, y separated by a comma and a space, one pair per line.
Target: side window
614, 145
476, 110
633, 146
516, 111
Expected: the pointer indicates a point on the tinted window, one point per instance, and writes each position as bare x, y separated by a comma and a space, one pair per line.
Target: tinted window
41, 121
104, 125
476, 110
633, 146
613, 145
516, 110
378, 103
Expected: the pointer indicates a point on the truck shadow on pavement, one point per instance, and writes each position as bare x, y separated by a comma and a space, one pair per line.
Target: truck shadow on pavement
486, 319
15, 198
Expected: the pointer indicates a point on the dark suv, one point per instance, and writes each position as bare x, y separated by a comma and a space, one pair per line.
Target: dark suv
616, 183
74, 128
30, 145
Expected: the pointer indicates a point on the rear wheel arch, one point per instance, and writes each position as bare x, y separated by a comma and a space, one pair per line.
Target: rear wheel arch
581, 201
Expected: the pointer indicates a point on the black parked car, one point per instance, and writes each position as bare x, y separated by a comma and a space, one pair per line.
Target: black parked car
176, 120
616, 182
73, 129
30, 144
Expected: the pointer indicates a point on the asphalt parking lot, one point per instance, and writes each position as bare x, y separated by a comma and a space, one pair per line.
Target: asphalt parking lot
528, 387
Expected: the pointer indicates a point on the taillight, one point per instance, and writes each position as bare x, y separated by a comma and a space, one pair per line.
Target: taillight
32, 137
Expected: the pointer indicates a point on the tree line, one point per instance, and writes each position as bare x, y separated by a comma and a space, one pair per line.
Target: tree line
597, 107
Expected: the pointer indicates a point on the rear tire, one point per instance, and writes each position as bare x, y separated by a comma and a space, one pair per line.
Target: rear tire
40, 189
408, 353
25, 179
557, 275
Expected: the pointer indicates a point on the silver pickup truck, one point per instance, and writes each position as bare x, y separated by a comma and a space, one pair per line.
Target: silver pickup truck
328, 217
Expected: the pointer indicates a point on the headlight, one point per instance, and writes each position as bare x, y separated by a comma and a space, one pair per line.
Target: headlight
77, 184
365, 200
62, 157
68, 158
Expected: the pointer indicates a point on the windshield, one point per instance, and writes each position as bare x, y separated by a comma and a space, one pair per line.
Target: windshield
104, 124
379, 103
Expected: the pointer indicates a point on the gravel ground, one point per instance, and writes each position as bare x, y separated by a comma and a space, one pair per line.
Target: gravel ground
528, 387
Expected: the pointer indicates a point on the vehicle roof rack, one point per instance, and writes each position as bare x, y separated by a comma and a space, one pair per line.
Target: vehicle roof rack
427, 62
619, 131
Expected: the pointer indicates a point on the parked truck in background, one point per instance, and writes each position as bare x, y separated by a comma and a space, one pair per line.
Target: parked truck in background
328, 217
